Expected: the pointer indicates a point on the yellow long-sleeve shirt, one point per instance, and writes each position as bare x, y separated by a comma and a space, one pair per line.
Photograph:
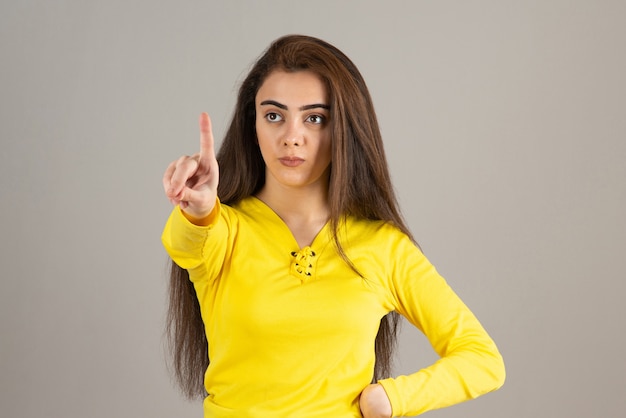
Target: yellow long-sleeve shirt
291, 330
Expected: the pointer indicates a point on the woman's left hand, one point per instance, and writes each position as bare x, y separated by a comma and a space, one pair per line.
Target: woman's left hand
374, 402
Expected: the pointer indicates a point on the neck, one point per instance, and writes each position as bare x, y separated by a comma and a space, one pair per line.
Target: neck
299, 205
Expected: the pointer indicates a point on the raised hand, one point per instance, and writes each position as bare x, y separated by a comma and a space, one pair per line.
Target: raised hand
191, 181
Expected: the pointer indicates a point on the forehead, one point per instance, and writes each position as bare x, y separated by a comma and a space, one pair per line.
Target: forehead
296, 88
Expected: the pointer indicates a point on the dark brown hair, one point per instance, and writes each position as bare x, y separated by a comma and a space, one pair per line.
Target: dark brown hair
360, 186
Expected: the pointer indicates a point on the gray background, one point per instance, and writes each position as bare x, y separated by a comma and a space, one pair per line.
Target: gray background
504, 123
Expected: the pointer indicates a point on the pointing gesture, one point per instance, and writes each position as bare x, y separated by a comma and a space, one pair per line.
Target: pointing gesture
191, 182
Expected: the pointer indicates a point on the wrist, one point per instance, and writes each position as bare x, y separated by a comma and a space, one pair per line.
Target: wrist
200, 218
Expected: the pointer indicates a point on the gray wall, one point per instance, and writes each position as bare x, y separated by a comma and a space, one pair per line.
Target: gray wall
504, 123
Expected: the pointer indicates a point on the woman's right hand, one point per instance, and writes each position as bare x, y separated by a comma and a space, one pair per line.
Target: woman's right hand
191, 182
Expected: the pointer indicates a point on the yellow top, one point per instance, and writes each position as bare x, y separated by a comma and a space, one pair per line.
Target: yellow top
291, 330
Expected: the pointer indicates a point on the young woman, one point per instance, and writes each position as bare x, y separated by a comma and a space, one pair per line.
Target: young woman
292, 261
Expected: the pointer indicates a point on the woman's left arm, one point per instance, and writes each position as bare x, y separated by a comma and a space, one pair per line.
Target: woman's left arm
470, 364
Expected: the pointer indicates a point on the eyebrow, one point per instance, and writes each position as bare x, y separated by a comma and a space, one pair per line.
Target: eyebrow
284, 107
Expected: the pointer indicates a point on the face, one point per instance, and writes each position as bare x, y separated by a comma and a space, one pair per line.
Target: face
293, 129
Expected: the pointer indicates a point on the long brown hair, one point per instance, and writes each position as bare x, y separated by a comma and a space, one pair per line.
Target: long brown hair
360, 185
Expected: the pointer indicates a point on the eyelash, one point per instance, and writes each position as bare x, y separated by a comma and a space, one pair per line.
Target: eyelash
321, 118
275, 117
270, 115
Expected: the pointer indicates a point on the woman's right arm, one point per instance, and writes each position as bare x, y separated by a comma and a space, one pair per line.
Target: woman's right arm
191, 181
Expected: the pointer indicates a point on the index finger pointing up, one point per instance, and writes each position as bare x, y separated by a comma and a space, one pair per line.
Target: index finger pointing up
207, 145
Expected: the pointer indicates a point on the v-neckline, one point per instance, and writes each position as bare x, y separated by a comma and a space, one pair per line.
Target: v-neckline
319, 241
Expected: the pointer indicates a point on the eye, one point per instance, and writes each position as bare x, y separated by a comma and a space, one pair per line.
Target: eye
273, 117
316, 119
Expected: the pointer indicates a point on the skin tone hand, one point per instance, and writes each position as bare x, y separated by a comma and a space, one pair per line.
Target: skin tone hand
374, 402
191, 182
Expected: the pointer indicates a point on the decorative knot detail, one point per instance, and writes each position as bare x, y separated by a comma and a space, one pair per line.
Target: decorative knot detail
303, 262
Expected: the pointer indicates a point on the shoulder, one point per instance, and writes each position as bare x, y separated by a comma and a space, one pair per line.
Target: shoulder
376, 233
378, 244
240, 209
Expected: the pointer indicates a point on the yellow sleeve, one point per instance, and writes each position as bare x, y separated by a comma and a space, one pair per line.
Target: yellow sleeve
198, 249
470, 364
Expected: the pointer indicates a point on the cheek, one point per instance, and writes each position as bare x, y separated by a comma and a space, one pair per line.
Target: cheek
263, 148
261, 136
258, 130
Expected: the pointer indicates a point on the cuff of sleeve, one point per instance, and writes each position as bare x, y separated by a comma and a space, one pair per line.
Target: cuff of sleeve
185, 241
393, 393
207, 221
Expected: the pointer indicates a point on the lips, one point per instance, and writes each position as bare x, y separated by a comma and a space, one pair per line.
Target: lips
291, 161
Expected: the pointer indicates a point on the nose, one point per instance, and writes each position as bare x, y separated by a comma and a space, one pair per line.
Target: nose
294, 135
